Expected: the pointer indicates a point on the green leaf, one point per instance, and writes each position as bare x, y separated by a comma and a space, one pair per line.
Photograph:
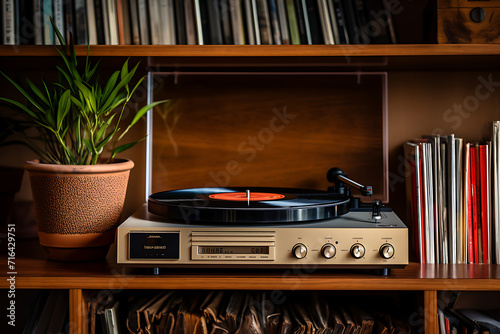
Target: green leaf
66, 76
66, 62
88, 95
134, 69
48, 93
115, 104
116, 90
137, 85
74, 60
87, 61
51, 122
63, 108
70, 65
22, 107
102, 130
57, 32
58, 85
144, 110
124, 70
37, 91
110, 84
89, 74
72, 157
101, 145
25, 94
87, 143
77, 102
77, 132
124, 147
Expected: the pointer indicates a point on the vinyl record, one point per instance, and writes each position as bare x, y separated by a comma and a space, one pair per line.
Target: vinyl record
241, 205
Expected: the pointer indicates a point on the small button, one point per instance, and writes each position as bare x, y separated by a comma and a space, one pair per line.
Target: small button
477, 14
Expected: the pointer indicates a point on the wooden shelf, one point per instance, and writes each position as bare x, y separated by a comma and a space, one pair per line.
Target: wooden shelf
261, 50
366, 57
44, 274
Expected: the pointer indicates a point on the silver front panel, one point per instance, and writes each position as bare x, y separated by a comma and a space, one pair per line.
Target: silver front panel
273, 245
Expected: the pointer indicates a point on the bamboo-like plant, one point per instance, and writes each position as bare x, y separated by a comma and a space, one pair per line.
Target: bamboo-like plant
76, 117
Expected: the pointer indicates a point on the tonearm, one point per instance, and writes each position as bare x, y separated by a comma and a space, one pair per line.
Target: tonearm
340, 179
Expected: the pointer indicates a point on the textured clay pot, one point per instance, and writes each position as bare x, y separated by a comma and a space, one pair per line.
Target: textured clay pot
77, 207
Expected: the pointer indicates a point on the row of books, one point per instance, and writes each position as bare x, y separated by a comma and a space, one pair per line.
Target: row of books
240, 312
453, 192
198, 22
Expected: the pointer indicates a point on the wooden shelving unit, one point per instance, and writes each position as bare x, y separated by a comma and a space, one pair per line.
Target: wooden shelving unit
427, 280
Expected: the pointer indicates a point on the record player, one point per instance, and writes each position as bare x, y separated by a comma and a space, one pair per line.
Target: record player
264, 228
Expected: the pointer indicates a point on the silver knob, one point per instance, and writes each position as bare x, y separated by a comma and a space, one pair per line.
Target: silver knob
299, 251
386, 251
357, 251
328, 251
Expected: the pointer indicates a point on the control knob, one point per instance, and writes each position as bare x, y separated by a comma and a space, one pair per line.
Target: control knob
328, 251
386, 251
357, 251
299, 251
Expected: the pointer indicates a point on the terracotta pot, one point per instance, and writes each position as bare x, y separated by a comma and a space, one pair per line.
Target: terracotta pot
78, 208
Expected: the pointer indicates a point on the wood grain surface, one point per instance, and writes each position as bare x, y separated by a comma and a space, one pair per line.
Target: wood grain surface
268, 130
77, 312
456, 26
207, 51
44, 274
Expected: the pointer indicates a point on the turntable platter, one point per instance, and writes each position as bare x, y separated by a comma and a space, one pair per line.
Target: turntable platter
241, 205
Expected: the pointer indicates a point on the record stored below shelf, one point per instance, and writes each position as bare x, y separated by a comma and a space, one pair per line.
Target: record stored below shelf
241, 205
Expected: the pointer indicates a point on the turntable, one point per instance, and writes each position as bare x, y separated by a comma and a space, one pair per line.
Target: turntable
264, 228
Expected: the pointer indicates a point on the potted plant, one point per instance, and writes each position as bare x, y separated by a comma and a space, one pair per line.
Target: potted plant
70, 124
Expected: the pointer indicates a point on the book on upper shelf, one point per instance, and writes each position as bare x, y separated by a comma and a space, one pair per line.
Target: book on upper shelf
144, 22
80, 21
23, 21
91, 22
8, 14
196, 22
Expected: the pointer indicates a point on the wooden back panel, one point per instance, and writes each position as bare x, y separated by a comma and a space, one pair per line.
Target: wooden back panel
275, 130
457, 26
467, 3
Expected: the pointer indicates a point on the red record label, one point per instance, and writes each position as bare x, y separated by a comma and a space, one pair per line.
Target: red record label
242, 196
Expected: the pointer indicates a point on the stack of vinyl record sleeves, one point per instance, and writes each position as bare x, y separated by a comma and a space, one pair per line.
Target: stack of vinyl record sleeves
245, 312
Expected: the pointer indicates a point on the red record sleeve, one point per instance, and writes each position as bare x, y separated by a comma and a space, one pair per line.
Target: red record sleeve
422, 203
473, 193
483, 164
468, 205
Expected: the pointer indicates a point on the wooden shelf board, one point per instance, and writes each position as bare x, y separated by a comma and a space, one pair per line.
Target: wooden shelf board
207, 51
43, 274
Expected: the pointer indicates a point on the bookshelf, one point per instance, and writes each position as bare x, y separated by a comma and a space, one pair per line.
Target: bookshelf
408, 66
